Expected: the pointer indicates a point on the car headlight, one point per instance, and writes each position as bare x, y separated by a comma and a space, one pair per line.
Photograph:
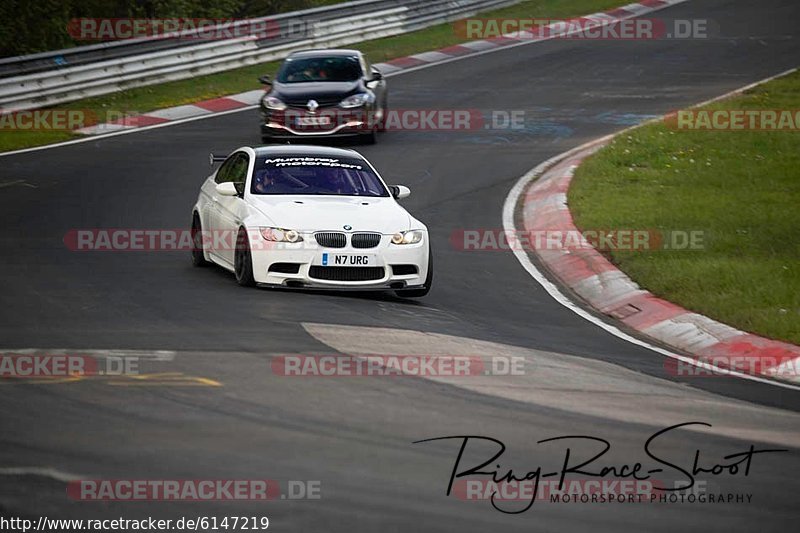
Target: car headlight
357, 100
407, 237
281, 235
271, 102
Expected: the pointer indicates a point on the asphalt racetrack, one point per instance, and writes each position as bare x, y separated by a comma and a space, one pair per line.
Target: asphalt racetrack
214, 409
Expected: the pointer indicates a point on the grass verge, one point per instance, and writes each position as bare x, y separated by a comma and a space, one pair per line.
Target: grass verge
144, 99
741, 188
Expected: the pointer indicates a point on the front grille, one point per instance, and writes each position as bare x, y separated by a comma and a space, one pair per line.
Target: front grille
404, 270
365, 240
302, 103
331, 239
346, 273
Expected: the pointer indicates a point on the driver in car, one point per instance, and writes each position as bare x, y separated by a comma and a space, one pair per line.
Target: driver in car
264, 181
331, 181
313, 71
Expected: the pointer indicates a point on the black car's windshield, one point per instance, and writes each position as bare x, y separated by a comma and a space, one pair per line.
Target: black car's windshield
310, 69
311, 175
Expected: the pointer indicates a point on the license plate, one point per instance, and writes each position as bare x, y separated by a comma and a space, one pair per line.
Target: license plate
313, 121
347, 260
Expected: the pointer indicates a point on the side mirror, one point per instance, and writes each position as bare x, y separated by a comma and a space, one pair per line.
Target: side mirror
227, 188
265, 80
400, 191
376, 74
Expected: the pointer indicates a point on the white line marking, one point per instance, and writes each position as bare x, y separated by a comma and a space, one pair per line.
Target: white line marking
789, 369
178, 112
250, 97
125, 132
509, 208
602, 18
431, 56
18, 182
248, 108
154, 355
100, 129
479, 46
52, 473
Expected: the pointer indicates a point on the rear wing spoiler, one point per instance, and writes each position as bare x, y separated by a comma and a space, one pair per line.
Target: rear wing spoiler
216, 158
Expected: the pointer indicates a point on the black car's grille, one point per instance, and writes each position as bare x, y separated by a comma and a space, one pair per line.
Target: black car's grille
365, 240
331, 239
302, 103
346, 273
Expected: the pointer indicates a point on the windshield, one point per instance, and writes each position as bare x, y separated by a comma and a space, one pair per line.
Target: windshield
310, 175
341, 68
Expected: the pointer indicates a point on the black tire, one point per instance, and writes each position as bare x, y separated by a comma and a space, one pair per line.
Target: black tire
419, 293
371, 137
243, 260
198, 257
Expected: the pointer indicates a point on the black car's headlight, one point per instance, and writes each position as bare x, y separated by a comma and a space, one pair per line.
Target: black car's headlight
273, 103
357, 100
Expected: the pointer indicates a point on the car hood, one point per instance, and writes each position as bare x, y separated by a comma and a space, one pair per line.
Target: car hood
326, 93
333, 213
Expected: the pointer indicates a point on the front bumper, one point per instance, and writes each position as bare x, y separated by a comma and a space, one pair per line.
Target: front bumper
403, 266
343, 123
274, 130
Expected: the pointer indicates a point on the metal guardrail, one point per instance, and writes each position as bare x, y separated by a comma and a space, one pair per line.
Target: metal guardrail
110, 67
43, 61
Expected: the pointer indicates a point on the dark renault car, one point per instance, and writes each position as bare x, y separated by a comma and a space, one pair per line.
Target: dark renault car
324, 93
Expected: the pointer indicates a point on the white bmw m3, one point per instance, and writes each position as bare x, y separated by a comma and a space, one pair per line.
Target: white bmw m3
309, 217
